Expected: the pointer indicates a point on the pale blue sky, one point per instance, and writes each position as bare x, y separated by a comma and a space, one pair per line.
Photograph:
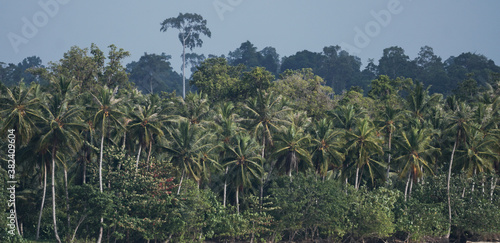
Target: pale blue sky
449, 26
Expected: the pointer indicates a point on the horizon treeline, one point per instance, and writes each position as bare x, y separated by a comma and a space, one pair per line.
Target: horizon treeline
261, 151
341, 71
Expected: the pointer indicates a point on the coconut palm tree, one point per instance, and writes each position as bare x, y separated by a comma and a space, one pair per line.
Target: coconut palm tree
226, 127
106, 112
419, 101
185, 143
244, 163
20, 110
364, 143
477, 155
264, 114
415, 153
458, 121
61, 129
326, 146
346, 116
389, 120
291, 149
145, 124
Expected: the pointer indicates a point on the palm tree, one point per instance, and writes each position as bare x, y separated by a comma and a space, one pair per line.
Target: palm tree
227, 127
145, 124
244, 163
389, 121
346, 116
186, 142
326, 147
415, 151
106, 112
61, 129
363, 142
20, 110
477, 155
418, 101
291, 149
264, 114
458, 122
195, 107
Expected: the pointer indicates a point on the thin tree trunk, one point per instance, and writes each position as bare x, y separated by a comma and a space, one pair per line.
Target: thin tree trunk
493, 185
183, 68
389, 156
356, 182
84, 181
43, 200
225, 186
77, 226
100, 161
406, 187
411, 186
262, 178
448, 186
100, 230
473, 180
180, 184
237, 200
149, 153
137, 160
67, 198
54, 218
100, 183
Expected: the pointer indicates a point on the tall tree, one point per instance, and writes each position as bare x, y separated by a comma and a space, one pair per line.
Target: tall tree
327, 148
61, 130
106, 112
458, 123
145, 124
152, 73
244, 163
415, 153
190, 27
365, 145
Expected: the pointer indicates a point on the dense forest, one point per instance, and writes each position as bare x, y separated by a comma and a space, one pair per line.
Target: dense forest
306, 147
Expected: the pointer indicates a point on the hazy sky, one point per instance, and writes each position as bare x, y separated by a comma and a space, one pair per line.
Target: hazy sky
48, 28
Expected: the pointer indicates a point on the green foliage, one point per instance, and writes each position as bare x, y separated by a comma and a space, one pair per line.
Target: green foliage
308, 206
92, 141
306, 90
371, 214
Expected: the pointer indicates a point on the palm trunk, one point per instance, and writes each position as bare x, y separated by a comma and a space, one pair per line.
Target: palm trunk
356, 182
100, 183
411, 186
389, 157
77, 226
225, 186
67, 198
448, 186
406, 188
237, 200
262, 178
180, 184
54, 218
137, 161
493, 185
149, 153
100, 161
473, 181
43, 200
